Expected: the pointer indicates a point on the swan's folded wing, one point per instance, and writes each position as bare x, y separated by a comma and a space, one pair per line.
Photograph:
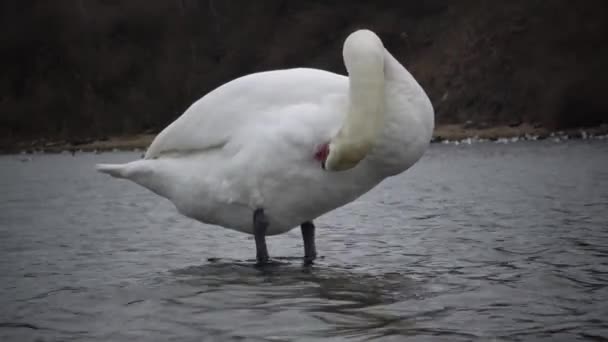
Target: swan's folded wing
240, 105
201, 128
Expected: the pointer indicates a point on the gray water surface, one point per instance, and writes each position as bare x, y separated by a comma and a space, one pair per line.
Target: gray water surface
488, 242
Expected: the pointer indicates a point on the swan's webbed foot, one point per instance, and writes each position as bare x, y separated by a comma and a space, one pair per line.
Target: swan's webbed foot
260, 224
308, 235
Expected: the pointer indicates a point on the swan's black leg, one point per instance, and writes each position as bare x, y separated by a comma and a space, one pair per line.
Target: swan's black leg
260, 224
308, 235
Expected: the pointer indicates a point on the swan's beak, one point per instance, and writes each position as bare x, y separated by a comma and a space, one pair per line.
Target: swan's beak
321, 154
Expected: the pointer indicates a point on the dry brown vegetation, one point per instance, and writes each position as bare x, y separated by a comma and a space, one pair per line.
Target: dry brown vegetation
77, 70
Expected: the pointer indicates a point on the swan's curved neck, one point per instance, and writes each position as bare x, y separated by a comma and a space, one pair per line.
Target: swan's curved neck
366, 105
364, 59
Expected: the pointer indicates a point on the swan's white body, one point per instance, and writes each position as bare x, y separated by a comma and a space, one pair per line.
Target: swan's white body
251, 143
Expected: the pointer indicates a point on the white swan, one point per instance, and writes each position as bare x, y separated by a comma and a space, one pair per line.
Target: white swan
270, 151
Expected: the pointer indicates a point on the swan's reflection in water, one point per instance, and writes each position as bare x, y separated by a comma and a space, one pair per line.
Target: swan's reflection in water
280, 299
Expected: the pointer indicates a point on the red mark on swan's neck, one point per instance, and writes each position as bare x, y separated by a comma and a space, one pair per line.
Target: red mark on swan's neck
322, 153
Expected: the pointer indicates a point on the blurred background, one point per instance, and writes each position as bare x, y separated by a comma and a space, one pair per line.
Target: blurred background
81, 70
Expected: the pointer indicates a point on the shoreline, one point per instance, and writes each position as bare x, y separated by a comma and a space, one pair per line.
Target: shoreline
443, 133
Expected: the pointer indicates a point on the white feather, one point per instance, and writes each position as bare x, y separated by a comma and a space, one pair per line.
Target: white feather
250, 143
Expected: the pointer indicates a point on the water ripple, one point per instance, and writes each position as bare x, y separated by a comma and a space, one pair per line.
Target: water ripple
490, 242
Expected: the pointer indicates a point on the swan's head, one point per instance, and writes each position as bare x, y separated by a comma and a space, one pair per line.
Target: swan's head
339, 161
364, 56
342, 157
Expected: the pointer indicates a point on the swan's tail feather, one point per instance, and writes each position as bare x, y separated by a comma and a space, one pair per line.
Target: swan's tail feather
148, 173
114, 170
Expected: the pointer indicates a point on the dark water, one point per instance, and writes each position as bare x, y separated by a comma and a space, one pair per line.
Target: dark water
487, 242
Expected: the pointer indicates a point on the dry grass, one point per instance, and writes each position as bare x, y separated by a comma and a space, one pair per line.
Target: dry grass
444, 132
140, 141
457, 132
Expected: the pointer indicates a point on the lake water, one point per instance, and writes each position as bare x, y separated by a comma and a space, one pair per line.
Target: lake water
488, 242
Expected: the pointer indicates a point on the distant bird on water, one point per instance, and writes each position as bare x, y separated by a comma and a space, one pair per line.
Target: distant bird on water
269, 151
